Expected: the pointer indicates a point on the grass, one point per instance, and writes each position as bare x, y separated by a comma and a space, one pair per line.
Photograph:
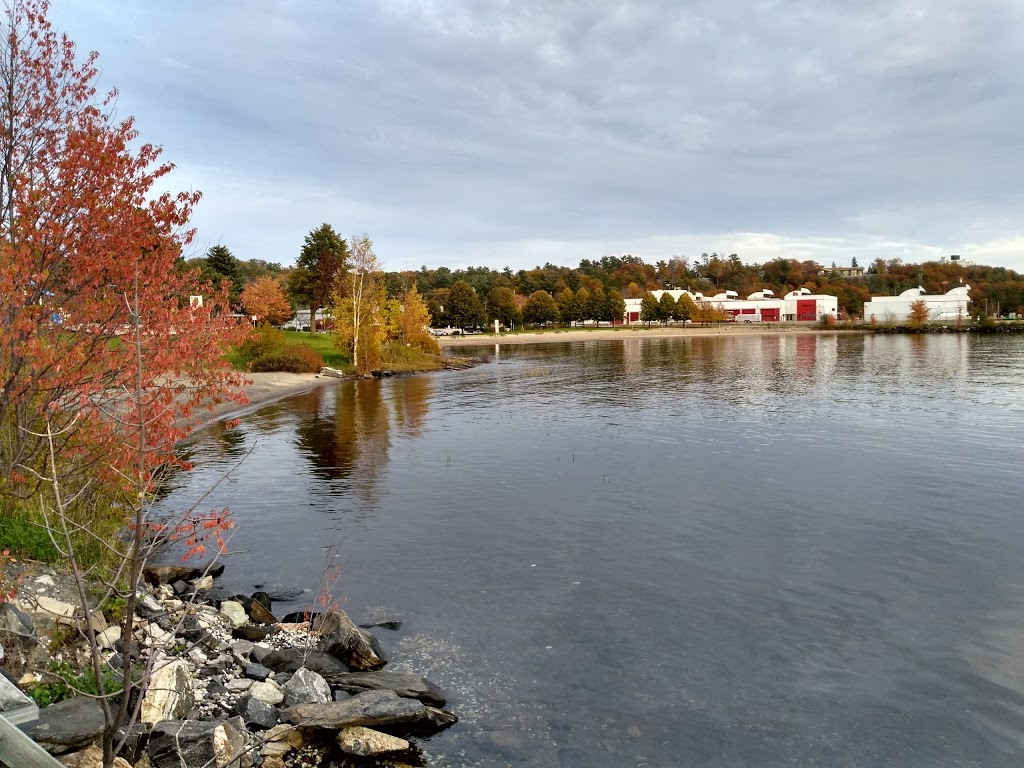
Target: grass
398, 357
23, 532
321, 342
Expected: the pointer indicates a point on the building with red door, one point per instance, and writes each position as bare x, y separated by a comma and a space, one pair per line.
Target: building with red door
803, 306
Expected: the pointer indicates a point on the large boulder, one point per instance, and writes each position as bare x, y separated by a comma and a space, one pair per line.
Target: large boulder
305, 687
170, 695
291, 659
67, 726
340, 637
428, 722
199, 744
408, 685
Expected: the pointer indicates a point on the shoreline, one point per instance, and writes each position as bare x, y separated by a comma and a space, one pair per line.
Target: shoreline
637, 332
263, 389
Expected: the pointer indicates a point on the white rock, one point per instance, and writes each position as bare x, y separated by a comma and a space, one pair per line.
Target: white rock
170, 695
108, 637
234, 612
164, 592
203, 583
268, 692
45, 581
58, 610
357, 740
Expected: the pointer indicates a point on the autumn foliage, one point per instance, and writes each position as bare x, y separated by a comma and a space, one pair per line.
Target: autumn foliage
86, 241
264, 299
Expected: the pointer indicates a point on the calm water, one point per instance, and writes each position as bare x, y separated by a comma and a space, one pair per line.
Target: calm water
699, 552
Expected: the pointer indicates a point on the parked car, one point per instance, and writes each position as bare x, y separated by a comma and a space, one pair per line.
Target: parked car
439, 332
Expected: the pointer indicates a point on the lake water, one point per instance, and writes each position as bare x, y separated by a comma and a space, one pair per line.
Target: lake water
734, 551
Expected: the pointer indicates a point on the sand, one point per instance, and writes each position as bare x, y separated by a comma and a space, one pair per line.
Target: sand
630, 332
266, 388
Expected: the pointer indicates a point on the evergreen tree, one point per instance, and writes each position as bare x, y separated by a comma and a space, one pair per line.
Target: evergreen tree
317, 276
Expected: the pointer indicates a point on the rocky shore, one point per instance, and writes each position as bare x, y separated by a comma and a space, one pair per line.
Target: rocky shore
232, 684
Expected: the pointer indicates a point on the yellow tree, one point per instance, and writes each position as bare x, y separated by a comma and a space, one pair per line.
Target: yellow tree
360, 309
408, 321
919, 313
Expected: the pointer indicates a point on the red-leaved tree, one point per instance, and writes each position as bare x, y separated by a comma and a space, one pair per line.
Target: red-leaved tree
86, 240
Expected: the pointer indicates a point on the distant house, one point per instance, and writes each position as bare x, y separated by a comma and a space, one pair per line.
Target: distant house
301, 320
843, 271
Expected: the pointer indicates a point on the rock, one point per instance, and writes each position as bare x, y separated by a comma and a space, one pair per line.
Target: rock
430, 721
261, 614
291, 659
393, 624
148, 607
254, 634
234, 612
135, 739
263, 599
56, 610
340, 695
406, 684
203, 583
195, 744
170, 694
44, 581
364, 742
268, 692
67, 726
91, 758
332, 372
16, 621
108, 638
305, 687
181, 587
343, 639
159, 574
257, 672
238, 685
256, 713
372, 708
302, 618
260, 650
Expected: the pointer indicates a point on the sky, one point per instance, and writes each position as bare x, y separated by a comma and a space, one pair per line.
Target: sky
518, 132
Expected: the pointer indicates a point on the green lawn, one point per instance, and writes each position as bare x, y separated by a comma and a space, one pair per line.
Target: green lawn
321, 342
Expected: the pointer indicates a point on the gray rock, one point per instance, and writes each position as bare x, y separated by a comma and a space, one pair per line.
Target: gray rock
393, 624
135, 739
257, 672
305, 687
340, 695
341, 638
168, 573
199, 744
253, 634
256, 713
430, 721
371, 709
67, 726
16, 621
291, 659
406, 684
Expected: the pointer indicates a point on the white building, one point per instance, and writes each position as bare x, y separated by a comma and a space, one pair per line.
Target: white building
758, 307
952, 305
804, 306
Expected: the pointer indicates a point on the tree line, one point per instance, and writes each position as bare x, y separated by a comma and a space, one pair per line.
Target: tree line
311, 280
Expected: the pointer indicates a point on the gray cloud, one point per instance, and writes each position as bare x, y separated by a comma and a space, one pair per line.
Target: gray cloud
468, 131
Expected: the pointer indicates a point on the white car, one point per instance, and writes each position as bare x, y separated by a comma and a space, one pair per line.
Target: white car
439, 332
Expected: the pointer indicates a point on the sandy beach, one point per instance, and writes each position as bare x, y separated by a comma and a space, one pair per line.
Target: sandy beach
264, 388
630, 332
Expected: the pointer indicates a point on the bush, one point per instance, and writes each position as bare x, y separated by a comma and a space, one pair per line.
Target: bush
63, 681
266, 341
291, 358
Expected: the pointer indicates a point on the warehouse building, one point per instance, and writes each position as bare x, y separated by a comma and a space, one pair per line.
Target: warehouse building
952, 305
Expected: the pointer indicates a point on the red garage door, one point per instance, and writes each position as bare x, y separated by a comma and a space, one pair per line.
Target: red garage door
806, 309
770, 315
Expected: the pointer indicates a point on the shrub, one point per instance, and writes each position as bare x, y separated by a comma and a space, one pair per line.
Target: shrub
62, 681
291, 358
267, 340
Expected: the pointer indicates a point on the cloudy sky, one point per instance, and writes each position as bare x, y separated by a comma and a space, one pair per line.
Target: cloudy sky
514, 132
